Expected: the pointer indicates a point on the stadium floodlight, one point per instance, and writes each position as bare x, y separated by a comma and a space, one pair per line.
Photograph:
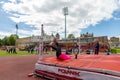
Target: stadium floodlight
65, 12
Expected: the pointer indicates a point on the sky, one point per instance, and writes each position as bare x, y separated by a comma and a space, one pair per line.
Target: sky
100, 17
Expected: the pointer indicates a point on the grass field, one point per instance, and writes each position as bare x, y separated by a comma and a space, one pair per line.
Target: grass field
4, 53
115, 50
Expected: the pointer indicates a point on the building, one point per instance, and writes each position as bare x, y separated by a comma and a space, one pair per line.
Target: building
22, 42
89, 38
32, 41
86, 38
85, 41
114, 42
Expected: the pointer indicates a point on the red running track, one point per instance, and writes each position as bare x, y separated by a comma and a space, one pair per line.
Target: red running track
17, 67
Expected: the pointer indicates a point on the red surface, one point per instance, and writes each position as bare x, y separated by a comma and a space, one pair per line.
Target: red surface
109, 62
17, 67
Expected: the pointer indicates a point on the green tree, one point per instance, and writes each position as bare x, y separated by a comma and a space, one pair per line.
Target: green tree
12, 39
71, 36
1, 42
5, 40
52, 35
16, 36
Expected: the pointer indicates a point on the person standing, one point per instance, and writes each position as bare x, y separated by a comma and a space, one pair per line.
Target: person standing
75, 50
108, 49
96, 48
14, 50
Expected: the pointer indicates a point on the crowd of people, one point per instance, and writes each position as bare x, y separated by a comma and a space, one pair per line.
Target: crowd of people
11, 49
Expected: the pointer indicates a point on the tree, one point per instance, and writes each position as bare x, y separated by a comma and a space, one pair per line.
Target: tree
16, 36
9, 40
58, 36
12, 39
1, 42
52, 35
5, 40
71, 36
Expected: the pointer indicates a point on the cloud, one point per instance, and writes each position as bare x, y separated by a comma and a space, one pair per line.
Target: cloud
3, 34
82, 13
116, 18
21, 33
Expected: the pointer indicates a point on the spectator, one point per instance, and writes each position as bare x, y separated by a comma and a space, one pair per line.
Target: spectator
14, 50
75, 50
32, 50
96, 48
108, 49
10, 50
7, 50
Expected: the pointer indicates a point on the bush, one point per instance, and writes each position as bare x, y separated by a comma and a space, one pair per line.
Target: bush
114, 50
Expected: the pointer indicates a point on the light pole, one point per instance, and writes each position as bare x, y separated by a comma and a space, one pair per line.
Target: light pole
65, 11
16, 33
16, 29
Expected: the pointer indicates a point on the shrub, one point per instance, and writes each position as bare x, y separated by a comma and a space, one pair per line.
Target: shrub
114, 50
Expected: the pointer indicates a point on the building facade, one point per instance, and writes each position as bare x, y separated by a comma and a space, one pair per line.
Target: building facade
114, 42
32, 41
85, 41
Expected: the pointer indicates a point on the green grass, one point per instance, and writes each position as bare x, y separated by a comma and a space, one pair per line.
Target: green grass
4, 53
118, 50
115, 50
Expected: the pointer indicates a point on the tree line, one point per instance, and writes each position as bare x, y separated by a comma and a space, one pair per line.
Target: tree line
9, 40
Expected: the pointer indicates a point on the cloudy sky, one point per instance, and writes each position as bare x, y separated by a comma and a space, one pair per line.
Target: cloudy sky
101, 17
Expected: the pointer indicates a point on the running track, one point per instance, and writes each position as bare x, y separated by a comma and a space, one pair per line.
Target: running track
17, 67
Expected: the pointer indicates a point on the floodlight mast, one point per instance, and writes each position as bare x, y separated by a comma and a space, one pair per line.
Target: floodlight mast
16, 33
16, 29
41, 44
65, 12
